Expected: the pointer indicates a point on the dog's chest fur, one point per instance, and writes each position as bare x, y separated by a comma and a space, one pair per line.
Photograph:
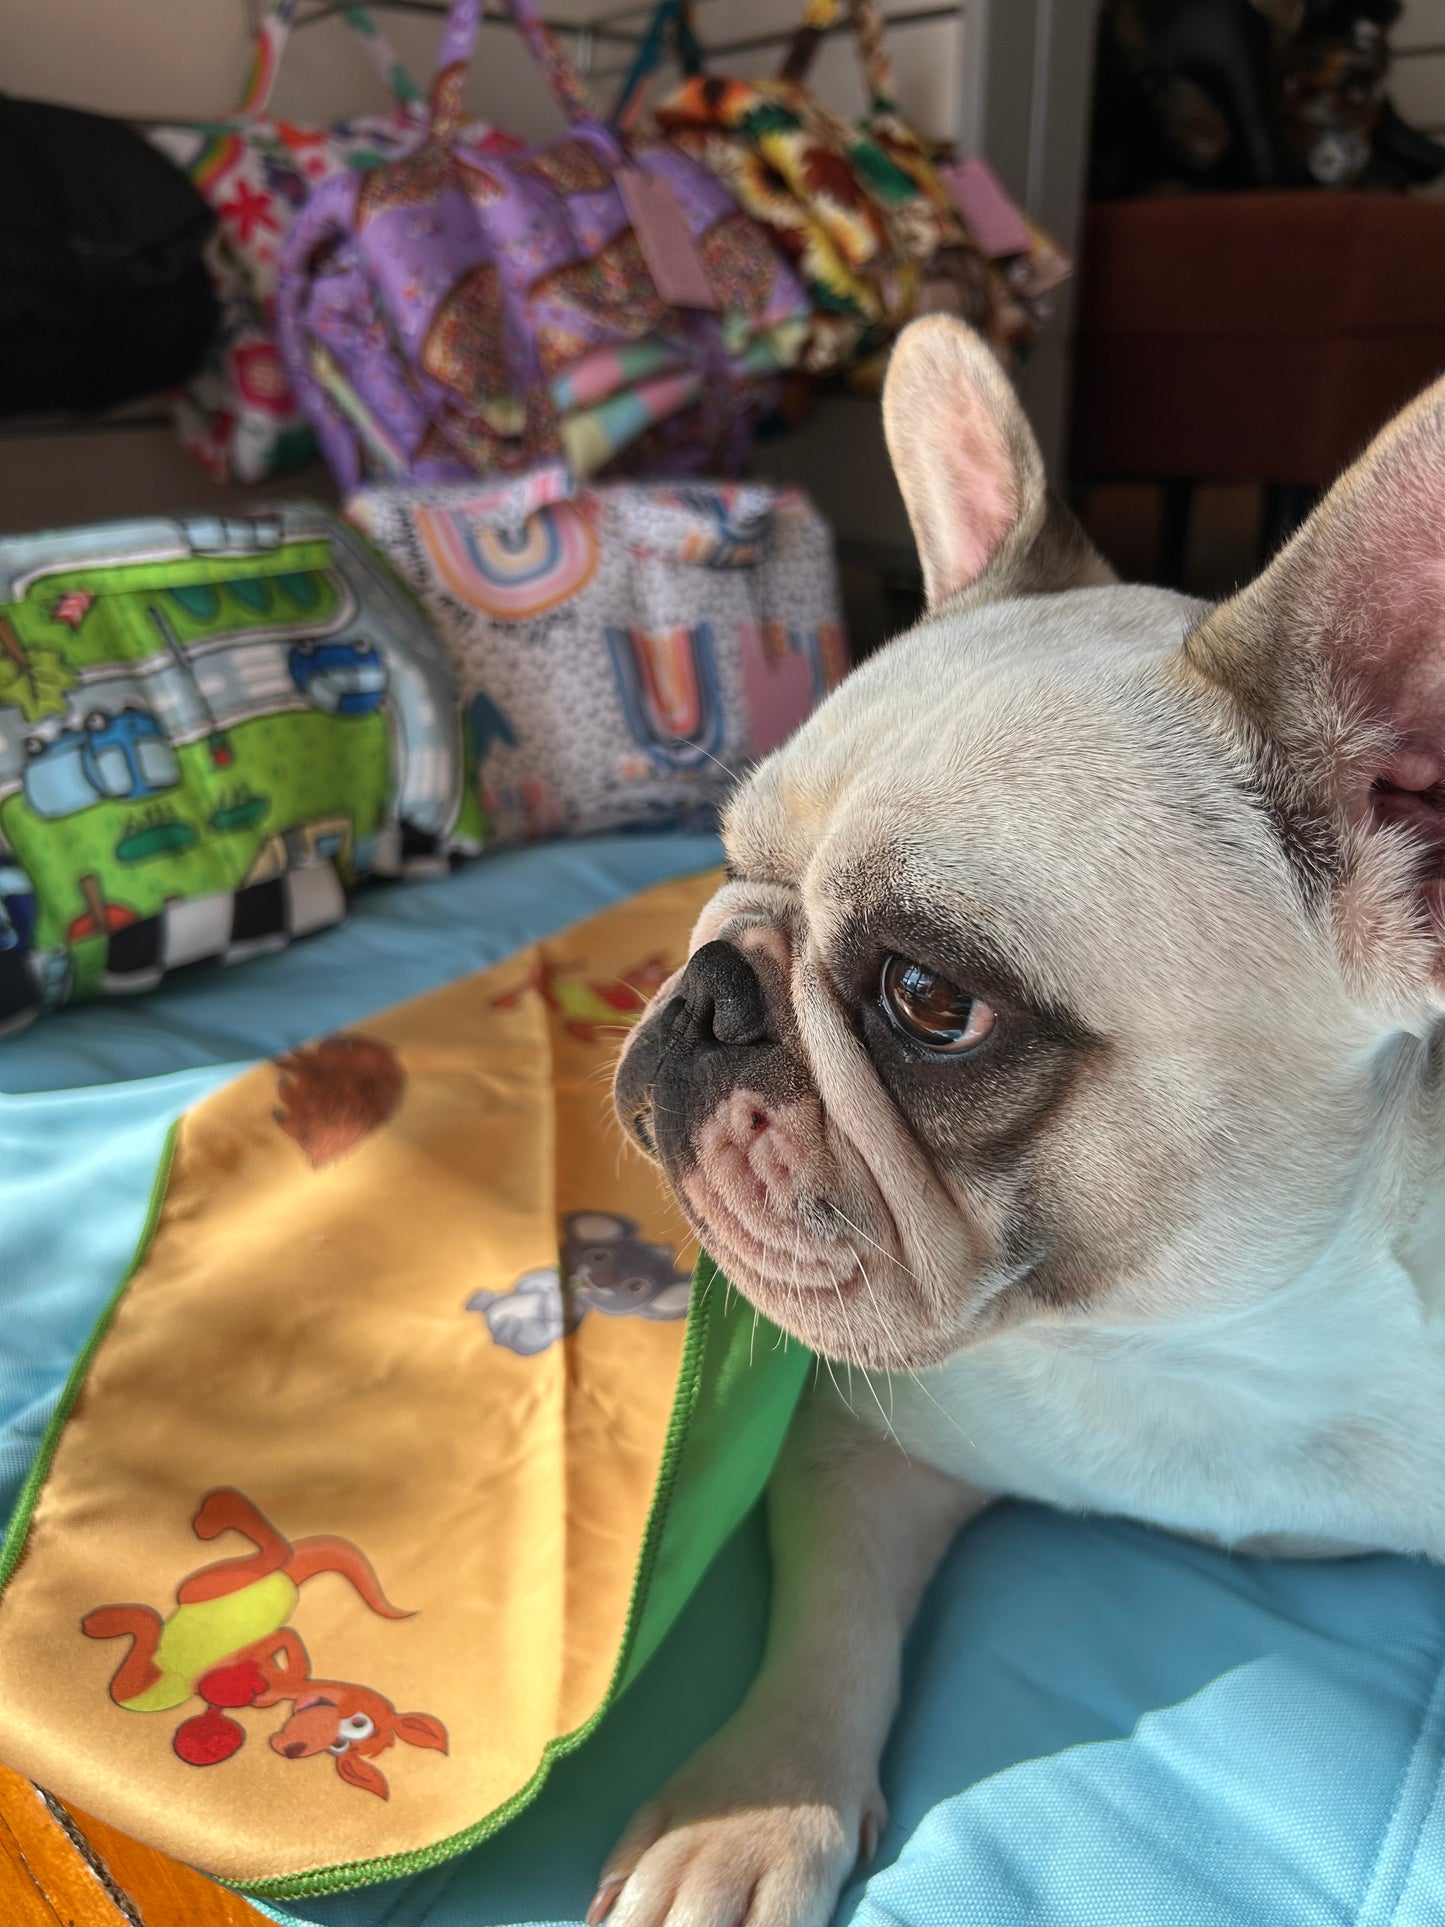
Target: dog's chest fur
1310, 1422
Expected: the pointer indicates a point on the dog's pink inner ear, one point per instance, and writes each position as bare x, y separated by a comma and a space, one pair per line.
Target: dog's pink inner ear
1337, 653
965, 459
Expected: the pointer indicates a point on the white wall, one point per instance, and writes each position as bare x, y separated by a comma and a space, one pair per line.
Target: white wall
159, 59
1417, 85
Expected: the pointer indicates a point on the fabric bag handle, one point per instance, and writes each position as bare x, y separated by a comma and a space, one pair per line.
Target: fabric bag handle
671, 24
459, 40
866, 18
271, 38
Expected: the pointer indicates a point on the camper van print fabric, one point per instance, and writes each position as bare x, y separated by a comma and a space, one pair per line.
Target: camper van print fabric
208, 729
623, 652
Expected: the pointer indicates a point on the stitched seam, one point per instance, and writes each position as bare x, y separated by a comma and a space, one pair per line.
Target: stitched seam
1372, 1911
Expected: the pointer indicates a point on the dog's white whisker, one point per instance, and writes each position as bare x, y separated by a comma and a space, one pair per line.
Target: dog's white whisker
882, 1250
718, 760
887, 1417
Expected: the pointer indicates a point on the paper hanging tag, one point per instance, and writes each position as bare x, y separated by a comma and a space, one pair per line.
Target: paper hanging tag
665, 239
988, 210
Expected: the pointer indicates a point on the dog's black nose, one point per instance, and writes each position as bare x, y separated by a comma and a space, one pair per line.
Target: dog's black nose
723, 998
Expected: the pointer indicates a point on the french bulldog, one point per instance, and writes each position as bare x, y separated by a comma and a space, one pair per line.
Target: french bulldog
1065, 1054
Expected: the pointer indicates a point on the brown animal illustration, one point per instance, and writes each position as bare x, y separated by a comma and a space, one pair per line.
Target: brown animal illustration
229, 1644
336, 1093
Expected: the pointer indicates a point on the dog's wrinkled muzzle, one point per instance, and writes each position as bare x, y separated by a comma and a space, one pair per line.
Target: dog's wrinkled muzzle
712, 1034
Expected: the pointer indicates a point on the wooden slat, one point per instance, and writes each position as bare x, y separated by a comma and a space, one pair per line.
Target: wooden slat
48, 1880
42, 1877
166, 1893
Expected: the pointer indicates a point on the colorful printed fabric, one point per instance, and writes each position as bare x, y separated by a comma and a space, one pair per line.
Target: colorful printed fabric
449, 315
208, 730
622, 654
237, 415
840, 209
860, 211
401, 1325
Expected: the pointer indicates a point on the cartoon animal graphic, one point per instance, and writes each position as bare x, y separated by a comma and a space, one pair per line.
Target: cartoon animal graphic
229, 1643
593, 1009
336, 1093
608, 1268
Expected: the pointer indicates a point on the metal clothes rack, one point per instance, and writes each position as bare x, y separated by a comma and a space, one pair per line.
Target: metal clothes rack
1024, 98
609, 30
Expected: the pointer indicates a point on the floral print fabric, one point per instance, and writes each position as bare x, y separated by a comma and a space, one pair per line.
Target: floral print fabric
451, 313
238, 415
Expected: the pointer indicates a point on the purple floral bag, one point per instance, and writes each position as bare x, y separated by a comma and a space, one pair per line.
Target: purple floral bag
451, 314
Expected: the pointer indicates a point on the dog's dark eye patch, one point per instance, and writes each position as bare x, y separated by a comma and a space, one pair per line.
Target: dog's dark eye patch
961, 955
979, 1113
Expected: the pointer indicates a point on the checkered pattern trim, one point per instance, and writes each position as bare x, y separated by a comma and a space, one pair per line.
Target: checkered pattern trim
223, 928
227, 928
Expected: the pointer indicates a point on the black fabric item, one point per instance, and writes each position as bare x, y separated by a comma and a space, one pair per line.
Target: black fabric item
103, 292
18, 994
133, 948
260, 911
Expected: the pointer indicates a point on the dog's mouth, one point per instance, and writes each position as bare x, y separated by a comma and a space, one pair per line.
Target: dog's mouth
777, 1260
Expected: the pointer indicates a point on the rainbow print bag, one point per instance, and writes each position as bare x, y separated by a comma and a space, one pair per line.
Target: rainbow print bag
622, 651
399, 1449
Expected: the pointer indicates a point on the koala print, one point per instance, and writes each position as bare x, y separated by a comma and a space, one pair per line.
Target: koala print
608, 1267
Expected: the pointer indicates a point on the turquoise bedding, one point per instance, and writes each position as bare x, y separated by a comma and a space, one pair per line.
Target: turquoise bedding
1101, 1724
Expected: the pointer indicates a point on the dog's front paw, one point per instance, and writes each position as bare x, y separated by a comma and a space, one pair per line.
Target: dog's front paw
742, 1836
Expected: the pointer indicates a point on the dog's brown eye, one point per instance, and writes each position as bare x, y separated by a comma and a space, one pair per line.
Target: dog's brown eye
931, 1010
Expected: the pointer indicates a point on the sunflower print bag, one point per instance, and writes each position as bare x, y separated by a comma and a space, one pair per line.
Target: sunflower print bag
862, 211
851, 219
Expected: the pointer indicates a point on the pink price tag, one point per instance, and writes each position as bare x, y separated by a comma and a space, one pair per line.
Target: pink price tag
989, 214
665, 239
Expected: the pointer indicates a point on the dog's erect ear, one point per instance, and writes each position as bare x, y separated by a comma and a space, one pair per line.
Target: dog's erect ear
1336, 656
358, 1772
971, 473
420, 1729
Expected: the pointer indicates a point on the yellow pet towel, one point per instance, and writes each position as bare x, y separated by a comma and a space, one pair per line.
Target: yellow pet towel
400, 1447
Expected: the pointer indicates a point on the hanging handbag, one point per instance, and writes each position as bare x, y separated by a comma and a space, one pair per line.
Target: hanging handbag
452, 315
863, 211
103, 291
852, 221
237, 415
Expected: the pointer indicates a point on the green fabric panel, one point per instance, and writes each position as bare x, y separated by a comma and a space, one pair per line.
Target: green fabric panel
747, 1386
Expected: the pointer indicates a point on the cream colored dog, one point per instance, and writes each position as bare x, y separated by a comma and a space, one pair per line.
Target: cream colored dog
1067, 1051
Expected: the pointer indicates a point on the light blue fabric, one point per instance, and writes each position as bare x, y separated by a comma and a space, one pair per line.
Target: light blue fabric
1100, 1724
398, 941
